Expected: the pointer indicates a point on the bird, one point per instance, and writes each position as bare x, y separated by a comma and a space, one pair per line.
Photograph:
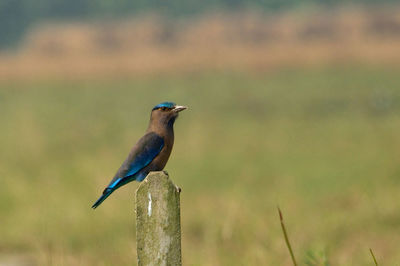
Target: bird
151, 152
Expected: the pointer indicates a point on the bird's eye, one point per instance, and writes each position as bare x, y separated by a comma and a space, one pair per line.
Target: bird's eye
164, 108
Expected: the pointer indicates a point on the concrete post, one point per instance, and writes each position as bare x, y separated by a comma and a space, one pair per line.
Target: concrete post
158, 226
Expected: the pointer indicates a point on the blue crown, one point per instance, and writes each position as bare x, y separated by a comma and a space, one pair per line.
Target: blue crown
165, 104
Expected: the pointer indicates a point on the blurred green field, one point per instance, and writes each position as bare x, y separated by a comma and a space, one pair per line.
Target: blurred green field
323, 144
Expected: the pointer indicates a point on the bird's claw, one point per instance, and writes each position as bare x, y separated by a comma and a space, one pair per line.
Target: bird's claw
165, 172
178, 189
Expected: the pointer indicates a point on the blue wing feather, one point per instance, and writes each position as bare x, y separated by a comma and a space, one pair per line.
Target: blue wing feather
144, 158
147, 148
142, 154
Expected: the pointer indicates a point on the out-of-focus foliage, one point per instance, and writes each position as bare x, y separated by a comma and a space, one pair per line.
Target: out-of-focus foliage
321, 143
17, 15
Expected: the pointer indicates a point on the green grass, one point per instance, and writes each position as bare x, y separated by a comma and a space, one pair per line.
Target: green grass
323, 144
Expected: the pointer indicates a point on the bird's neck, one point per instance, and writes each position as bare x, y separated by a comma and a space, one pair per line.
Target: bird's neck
162, 129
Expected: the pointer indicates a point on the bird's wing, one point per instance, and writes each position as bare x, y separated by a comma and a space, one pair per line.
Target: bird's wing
147, 148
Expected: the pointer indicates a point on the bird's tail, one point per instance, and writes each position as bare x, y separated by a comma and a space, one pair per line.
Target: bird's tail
107, 192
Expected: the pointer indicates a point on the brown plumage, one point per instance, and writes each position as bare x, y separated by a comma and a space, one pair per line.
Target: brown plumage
151, 152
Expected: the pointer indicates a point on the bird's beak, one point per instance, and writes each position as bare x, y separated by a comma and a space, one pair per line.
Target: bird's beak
179, 108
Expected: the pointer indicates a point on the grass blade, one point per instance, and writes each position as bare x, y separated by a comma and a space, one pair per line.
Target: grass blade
373, 256
286, 237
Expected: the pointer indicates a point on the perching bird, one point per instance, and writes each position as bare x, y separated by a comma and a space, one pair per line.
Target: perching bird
151, 152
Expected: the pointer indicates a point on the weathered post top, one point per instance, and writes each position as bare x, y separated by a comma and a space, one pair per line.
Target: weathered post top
158, 227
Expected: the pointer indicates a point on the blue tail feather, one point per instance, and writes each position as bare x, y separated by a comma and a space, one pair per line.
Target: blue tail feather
115, 184
107, 192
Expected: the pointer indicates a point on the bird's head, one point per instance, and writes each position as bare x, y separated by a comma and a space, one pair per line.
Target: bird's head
166, 113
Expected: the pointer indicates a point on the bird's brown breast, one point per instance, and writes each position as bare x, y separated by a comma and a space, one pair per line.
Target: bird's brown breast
161, 160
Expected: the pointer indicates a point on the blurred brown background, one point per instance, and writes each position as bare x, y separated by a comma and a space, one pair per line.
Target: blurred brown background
236, 40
